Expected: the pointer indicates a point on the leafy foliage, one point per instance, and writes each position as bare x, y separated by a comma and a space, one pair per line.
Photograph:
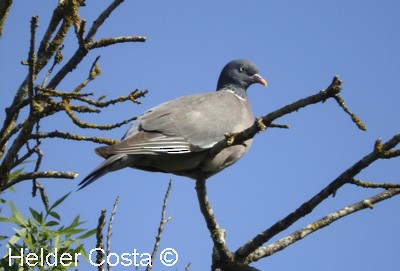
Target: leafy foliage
52, 245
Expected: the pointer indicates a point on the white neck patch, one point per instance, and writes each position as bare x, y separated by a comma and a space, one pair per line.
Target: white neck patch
237, 96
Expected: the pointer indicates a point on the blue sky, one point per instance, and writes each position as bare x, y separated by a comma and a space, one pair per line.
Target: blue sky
298, 46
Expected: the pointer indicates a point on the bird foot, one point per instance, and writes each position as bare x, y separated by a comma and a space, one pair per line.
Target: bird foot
261, 124
230, 138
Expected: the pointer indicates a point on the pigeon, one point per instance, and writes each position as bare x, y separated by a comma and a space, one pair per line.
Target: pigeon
176, 136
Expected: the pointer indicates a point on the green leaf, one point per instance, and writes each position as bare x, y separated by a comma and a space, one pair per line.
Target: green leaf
26, 238
13, 240
71, 231
16, 216
55, 215
5, 219
38, 217
15, 174
51, 223
55, 204
57, 240
88, 234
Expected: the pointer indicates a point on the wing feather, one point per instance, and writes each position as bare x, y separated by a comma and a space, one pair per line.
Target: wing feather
183, 125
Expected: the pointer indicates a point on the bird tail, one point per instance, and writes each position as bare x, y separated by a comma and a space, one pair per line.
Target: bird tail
111, 164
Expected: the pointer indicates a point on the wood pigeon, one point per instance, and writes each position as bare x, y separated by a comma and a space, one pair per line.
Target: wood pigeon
175, 136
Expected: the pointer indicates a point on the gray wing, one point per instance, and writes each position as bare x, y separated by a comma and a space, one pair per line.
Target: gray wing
188, 124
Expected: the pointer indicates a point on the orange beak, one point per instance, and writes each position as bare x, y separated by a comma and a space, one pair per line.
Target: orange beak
259, 79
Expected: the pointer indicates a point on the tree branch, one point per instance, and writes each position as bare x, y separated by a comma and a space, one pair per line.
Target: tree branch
375, 185
217, 234
266, 251
346, 177
164, 220
66, 135
99, 240
42, 174
260, 123
109, 230
5, 6
110, 41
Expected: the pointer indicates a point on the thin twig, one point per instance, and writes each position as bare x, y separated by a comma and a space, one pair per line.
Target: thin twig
353, 116
99, 240
43, 195
66, 135
42, 175
375, 185
83, 124
31, 62
100, 20
110, 41
109, 230
160, 230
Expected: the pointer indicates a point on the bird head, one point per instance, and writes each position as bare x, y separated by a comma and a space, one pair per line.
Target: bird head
239, 74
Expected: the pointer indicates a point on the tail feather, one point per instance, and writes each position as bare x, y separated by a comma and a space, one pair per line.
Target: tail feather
111, 164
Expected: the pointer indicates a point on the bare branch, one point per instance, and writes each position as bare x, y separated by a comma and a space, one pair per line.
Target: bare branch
93, 73
99, 240
353, 116
43, 174
100, 20
66, 135
375, 185
82, 124
164, 220
110, 41
5, 6
217, 234
43, 194
346, 177
109, 230
266, 251
383, 152
133, 96
31, 61
260, 123
10, 119
187, 268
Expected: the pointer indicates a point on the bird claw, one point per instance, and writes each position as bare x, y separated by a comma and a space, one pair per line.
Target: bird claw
261, 124
230, 138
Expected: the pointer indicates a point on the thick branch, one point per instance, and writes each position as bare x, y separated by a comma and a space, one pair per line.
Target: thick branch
319, 224
27, 128
217, 234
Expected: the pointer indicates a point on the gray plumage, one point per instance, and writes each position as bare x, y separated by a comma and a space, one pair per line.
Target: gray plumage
175, 136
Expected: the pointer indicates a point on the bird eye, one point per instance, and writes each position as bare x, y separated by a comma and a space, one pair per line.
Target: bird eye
241, 69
